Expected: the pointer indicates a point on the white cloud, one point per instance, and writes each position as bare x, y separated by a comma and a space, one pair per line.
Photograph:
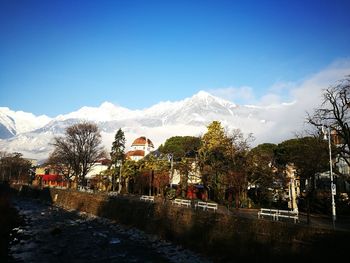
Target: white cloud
285, 104
306, 95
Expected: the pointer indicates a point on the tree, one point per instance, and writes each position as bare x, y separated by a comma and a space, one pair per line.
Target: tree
181, 152
181, 146
236, 176
334, 112
261, 172
61, 164
213, 155
79, 148
309, 155
118, 156
129, 173
13, 167
185, 168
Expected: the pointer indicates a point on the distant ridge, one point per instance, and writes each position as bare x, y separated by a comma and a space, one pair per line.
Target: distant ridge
31, 135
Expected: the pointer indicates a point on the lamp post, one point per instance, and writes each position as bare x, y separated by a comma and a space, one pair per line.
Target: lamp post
333, 186
171, 159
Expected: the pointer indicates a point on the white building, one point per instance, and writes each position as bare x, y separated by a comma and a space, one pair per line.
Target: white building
98, 168
194, 176
140, 148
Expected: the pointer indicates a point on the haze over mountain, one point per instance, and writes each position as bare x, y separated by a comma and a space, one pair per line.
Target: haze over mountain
31, 135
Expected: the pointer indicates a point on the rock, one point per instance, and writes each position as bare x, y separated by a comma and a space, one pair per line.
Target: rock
114, 241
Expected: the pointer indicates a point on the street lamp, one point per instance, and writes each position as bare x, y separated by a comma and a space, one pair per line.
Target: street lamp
333, 186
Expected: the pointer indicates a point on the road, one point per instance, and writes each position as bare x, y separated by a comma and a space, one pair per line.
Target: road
320, 221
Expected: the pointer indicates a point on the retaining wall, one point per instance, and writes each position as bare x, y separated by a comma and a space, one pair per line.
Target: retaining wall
222, 237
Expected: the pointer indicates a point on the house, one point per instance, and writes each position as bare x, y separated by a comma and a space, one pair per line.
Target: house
293, 185
140, 148
49, 176
193, 177
97, 168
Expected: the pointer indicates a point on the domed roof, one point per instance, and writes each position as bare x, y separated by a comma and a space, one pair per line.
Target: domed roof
142, 141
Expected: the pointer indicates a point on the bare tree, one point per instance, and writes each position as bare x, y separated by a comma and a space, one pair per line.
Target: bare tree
334, 112
60, 164
79, 148
13, 167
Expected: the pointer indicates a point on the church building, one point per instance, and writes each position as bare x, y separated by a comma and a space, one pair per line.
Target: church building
140, 148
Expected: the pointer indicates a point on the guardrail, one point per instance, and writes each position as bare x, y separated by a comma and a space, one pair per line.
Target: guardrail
113, 193
276, 214
85, 189
182, 202
147, 198
206, 205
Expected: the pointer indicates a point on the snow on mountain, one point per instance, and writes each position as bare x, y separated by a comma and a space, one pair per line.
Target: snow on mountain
15, 122
7, 126
159, 122
105, 112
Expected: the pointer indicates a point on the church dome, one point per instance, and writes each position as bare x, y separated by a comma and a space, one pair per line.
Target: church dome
141, 141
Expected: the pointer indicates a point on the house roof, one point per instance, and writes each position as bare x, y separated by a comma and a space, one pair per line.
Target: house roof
142, 141
50, 177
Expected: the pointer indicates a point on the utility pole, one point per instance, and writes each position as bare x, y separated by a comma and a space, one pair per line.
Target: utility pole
333, 186
120, 178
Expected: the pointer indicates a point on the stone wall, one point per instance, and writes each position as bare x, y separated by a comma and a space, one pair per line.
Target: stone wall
222, 237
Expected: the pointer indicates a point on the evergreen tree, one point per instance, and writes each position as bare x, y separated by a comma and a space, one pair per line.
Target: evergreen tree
118, 155
181, 146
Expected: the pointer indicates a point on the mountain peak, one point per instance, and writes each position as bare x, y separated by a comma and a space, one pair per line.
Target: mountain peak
207, 98
202, 95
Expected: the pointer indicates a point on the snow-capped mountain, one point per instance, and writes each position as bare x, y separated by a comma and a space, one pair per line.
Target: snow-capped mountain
31, 135
16, 122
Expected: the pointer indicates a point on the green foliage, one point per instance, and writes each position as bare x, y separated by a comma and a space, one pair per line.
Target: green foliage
130, 169
215, 138
214, 160
14, 167
170, 194
261, 172
118, 148
181, 146
308, 154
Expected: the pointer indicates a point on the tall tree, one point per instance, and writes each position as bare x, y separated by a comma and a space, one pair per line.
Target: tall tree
213, 157
309, 155
80, 148
334, 112
129, 174
261, 172
61, 164
236, 176
118, 156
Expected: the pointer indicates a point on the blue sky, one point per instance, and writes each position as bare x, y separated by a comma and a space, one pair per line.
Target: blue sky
57, 56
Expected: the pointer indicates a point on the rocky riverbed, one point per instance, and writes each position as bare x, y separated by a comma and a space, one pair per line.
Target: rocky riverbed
51, 234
